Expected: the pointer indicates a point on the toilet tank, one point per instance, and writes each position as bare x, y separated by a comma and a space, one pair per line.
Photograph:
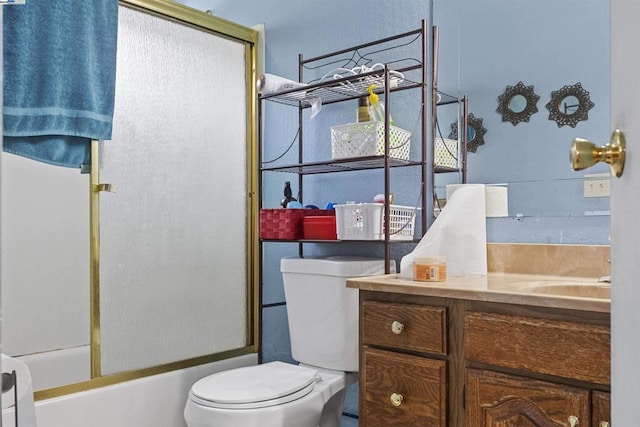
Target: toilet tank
322, 311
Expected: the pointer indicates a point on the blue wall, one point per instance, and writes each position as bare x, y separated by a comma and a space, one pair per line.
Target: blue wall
484, 47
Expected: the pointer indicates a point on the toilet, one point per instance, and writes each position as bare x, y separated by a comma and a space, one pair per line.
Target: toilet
323, 327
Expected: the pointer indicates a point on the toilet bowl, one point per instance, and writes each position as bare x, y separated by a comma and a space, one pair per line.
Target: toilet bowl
274, 394
323, 328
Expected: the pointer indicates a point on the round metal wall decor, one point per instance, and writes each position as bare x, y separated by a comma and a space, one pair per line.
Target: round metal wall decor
518, 103
569, 105
475, 132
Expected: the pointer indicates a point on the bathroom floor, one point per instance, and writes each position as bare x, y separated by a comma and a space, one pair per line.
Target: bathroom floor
349, 422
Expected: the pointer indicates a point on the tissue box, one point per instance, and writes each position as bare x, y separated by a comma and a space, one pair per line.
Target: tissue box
286, 224
367, 139
365, 221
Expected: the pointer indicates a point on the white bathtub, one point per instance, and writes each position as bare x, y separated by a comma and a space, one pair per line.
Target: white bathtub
155, 401
59, 367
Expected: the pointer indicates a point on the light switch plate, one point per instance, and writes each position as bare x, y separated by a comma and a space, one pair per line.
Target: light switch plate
597, 185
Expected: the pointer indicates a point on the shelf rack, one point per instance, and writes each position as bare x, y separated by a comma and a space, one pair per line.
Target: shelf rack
351, 87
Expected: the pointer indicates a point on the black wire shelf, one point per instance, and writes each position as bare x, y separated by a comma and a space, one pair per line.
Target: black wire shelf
341, 165
346, 88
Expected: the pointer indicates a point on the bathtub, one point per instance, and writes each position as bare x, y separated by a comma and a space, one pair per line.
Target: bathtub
155, 401
58, 367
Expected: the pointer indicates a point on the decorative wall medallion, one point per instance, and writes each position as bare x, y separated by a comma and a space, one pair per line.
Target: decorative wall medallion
569, 105
475, 132
518, 103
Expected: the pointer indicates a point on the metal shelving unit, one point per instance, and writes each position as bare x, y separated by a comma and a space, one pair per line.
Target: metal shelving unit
352, 87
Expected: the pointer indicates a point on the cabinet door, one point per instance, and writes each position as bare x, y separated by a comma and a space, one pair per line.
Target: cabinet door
402, 390
601, 409
499, 400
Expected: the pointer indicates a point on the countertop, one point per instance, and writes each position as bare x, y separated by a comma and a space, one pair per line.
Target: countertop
574, 293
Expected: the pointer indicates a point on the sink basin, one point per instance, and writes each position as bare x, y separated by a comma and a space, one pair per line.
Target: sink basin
570, 289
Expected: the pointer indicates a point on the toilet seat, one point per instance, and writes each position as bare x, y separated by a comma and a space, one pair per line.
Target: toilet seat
253, 387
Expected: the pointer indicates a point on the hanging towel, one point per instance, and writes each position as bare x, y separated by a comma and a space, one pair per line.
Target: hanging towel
59, 63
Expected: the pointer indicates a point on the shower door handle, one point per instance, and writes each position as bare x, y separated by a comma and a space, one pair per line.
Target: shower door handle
109, 188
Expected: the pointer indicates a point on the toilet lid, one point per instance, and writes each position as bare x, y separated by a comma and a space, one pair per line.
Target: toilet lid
257, 386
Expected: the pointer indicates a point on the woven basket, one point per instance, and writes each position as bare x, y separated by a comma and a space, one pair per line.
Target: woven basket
286, 224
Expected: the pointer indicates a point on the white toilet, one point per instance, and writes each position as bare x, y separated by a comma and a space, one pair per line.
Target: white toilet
323, 326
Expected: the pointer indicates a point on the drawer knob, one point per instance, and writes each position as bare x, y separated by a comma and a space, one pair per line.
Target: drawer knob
397, 327
604, 424
396, 399
573, 421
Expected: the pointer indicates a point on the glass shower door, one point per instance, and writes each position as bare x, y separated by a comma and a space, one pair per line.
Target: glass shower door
173, 242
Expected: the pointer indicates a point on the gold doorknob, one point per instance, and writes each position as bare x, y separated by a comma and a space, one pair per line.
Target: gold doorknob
573, 421
397, 327
585, 153
396, 399
604, 424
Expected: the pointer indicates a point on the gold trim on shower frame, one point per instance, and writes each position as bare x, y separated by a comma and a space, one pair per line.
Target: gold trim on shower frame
137, 374
187, 16
253, 220
94, 254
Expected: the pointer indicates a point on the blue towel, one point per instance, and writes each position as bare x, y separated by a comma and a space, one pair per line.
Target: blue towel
59, 60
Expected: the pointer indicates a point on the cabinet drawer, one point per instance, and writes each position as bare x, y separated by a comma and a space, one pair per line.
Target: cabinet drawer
554, 347
423, 328
420, 381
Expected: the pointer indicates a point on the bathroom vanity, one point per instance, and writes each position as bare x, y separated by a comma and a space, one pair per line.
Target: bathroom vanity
502, 350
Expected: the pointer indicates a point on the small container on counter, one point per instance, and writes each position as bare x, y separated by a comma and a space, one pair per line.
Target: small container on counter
430, 269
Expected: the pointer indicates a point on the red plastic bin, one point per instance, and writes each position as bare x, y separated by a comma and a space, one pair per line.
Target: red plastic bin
319, 228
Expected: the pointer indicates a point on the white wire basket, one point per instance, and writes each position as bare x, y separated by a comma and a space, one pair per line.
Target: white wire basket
365, 221
367, 139
446, 153
401, 222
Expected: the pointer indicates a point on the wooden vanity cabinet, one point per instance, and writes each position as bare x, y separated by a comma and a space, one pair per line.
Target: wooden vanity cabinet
467, 363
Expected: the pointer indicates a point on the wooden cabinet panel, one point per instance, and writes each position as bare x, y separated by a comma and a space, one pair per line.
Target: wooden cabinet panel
420, 381
500, 400
600, 409
424, 327
554, 347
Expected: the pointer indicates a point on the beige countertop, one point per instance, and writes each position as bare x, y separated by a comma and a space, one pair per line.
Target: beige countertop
575, 293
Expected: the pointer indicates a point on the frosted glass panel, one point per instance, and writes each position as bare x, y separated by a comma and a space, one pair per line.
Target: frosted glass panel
45, 269
173, 252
